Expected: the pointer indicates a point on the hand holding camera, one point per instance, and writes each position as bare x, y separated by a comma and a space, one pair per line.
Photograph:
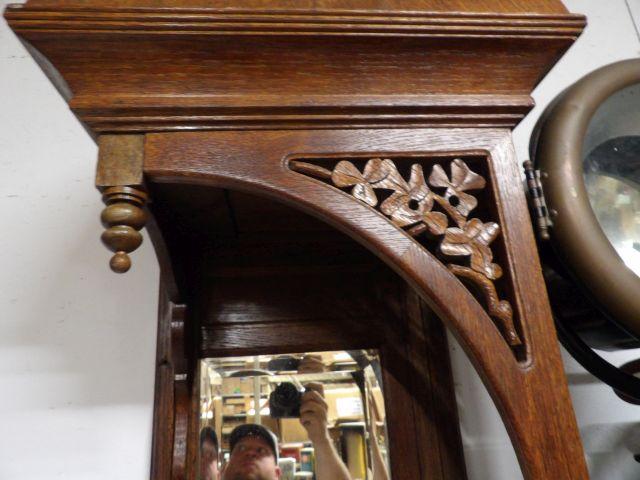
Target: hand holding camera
314, 413
290, 401
308, 403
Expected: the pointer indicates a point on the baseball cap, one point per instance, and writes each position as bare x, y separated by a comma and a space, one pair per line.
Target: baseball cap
254, 430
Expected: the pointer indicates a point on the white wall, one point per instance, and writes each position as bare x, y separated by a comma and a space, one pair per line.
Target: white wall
76, 393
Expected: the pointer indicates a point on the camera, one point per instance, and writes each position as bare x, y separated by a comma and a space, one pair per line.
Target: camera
285, 400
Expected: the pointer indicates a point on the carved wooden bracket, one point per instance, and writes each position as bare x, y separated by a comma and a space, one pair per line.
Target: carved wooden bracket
418, 208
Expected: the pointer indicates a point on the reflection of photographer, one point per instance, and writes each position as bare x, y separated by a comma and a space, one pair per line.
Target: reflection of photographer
308, 403
314, 418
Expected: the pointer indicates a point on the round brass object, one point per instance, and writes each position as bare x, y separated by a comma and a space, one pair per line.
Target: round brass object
577, 236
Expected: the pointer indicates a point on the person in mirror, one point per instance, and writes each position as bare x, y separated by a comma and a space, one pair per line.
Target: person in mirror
254, 454
254, 448
314, 418
208, 454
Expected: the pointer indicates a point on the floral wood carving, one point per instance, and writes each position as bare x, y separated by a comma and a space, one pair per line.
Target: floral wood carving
411, 206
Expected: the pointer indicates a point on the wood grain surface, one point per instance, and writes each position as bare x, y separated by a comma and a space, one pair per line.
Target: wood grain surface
164, 399
439, 207
268, 82
350, 307
530, 393
152, 66
387, 6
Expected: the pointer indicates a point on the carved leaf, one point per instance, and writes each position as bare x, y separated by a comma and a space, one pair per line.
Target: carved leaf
417, 185
465, 202
438, 177
345, 174
384, 174
462, 178
397, 208
409, 203
365, 192
481, 262
473, 240
483, 233
436, 221
456, 243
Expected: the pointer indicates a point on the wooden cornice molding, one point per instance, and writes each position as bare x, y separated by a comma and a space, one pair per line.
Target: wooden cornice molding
129, 67
220, 112
390, 7
294, 22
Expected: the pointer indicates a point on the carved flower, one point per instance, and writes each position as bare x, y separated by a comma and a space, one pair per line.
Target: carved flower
473, 240
462, 179
377, 173
411, 203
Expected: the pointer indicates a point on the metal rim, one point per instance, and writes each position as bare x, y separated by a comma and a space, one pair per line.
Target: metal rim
622, 379
577, 236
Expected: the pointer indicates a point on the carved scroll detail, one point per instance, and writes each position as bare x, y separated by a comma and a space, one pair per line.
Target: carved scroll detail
410, 206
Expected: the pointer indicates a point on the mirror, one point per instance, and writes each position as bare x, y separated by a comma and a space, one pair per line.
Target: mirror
324, 409
616, 204
612, 171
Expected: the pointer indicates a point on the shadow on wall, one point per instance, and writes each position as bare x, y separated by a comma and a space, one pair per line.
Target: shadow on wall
74, 333
611, 448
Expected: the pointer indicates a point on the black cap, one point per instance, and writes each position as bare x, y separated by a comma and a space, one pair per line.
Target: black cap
253, 430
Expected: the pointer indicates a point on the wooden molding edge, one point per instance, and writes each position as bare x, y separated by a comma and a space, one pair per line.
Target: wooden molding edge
296, 22
161, 114
458, 68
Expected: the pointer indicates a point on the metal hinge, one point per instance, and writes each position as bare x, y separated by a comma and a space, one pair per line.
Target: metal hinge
542, 218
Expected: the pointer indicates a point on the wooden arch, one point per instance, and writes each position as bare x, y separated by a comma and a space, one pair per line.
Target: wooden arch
530, 393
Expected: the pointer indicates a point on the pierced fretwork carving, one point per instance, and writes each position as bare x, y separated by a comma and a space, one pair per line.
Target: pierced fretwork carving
417, 207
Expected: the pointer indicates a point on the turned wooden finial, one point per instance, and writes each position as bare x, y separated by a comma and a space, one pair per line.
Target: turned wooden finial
120, 178
123, 217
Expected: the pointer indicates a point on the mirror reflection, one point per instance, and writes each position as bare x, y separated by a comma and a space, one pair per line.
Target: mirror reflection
612, 171
314, 415
616, 204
